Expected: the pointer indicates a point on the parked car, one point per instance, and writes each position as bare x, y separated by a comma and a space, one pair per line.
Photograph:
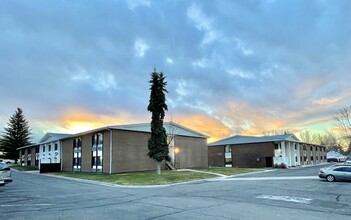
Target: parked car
336, 173
336, 165
5, 173
7, 161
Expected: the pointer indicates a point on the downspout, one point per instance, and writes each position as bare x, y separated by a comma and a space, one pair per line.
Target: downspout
61, 162
110, 150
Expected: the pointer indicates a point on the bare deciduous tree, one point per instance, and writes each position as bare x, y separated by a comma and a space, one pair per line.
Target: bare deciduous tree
307, 136
330, 140
275, 132
343, 121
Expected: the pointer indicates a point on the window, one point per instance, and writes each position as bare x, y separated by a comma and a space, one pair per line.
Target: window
276, 147
56, 147
311, 148
77, 154
97, 148
43, 148
37, 156
339, 169
228, 156
49, 147
29, 151
312, 158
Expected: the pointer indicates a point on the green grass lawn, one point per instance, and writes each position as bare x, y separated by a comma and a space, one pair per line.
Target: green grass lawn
151, 178
230, 170
140, 178
23, 168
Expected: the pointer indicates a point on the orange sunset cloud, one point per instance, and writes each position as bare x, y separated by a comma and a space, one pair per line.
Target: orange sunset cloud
75, 121
206, 125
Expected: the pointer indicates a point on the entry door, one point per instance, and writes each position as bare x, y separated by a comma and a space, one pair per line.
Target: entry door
269, 161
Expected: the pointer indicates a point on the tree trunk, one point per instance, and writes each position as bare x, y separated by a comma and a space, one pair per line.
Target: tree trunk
158, 168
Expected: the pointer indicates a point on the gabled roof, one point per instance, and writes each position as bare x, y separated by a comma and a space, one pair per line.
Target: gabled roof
171, 129
27, 146
49, 137
239, 139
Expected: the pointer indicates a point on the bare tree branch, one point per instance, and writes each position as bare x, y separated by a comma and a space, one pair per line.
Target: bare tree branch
343, 121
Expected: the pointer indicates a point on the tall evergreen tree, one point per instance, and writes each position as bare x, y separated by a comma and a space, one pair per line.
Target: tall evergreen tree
157, 144
16, 134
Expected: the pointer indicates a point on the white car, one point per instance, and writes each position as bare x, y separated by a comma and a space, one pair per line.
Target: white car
7, 161
5, 174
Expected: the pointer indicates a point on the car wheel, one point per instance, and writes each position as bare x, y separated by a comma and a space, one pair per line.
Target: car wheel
330, 178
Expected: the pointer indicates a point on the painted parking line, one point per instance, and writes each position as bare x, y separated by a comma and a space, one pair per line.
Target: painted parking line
286, 198
273, 178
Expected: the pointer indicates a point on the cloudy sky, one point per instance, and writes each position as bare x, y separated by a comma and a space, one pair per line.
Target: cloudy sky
233, 67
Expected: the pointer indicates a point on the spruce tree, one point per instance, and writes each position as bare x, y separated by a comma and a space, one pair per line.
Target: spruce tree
16, 134
157, 144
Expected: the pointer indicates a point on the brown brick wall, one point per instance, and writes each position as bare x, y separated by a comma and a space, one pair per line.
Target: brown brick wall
86, 152
193, 152
130, 149
130, 152
67, 155
106, 152
27, 151
67, 152
32, 152
216, 156
245, 155
317, 153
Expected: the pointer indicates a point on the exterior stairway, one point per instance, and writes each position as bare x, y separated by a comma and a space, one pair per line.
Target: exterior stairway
170, 166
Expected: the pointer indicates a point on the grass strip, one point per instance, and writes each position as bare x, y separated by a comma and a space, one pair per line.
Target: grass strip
229, 170
140, 178
23, 168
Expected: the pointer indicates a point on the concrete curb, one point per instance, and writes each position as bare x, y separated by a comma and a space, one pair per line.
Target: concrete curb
199, 171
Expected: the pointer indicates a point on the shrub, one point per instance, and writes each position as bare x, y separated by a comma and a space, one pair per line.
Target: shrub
281, 166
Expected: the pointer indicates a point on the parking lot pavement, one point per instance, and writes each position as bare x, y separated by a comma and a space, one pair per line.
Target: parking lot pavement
43, 197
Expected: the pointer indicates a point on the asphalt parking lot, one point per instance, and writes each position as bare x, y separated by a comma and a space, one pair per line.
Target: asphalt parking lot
269, 195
